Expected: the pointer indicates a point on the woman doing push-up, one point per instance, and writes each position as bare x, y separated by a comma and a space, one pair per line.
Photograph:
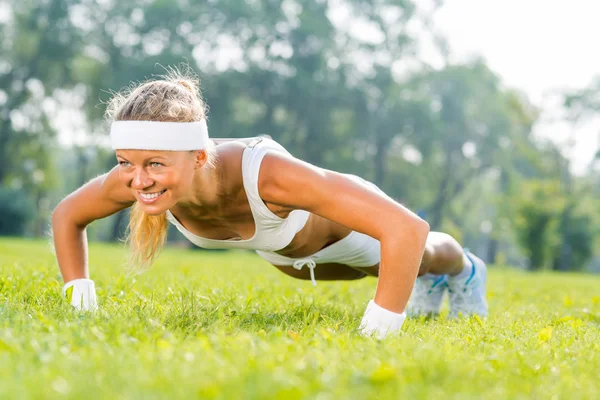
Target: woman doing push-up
309, 222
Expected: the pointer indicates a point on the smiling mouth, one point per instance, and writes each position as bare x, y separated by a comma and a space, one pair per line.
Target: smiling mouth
151, 196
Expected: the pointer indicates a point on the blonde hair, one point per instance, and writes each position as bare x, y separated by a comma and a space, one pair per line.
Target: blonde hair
175, 97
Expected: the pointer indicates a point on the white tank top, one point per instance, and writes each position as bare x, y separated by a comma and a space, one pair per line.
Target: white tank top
272, 232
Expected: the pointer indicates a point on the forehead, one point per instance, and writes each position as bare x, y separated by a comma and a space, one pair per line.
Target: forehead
148, 154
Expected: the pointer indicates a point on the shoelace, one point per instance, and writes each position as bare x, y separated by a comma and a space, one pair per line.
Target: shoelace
310, 264
425, 289
441, 280
462, 299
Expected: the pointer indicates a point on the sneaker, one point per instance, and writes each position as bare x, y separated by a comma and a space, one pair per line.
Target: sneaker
427, 295
467, 294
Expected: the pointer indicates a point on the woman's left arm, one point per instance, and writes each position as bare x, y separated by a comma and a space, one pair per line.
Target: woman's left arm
292, 183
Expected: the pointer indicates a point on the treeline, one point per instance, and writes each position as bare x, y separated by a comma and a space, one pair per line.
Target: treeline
341, 84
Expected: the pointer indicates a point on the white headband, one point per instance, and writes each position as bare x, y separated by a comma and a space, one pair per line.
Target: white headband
154, 135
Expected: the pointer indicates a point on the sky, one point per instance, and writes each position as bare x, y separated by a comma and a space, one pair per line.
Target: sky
540, 47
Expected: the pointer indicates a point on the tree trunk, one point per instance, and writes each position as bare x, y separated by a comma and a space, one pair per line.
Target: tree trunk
381, 152
82, 165
438, 206
119, 227
492, 251
563, 260
4, 138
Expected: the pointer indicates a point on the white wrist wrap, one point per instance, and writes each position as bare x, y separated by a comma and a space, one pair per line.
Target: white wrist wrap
380, 322
81, 294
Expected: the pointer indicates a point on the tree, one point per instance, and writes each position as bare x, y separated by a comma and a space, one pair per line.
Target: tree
39, 44
473, 124
538, 209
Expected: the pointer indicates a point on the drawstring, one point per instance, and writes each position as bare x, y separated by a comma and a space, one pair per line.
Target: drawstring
310, 264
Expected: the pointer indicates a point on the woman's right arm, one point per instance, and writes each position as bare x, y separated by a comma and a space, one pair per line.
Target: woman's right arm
97, 199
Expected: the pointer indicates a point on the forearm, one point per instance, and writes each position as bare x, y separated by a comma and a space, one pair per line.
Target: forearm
70, 243
400, 261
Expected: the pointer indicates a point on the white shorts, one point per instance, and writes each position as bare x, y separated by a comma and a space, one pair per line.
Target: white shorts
355, 250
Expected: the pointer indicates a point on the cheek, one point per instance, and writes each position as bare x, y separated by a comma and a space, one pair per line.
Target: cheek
123, 177
172, 179
182, 175
177, 176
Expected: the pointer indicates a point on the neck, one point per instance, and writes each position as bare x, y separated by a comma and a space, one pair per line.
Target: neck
206, 187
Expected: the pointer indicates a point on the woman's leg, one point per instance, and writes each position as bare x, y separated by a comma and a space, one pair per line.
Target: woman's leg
443, 255
446, 266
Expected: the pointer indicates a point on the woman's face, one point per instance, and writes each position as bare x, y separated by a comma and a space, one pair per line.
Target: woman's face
157, 179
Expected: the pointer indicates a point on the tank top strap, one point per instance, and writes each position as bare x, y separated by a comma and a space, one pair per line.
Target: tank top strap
251, 162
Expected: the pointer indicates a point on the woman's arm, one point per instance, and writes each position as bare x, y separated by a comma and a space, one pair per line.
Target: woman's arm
289, 182
99, 198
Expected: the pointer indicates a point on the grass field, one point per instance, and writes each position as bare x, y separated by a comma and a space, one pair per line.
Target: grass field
226, 325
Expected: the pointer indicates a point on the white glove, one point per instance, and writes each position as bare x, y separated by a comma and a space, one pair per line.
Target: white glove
81, 293
380, 322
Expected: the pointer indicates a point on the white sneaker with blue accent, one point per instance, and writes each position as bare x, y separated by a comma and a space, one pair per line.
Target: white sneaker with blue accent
427, 295
467, 291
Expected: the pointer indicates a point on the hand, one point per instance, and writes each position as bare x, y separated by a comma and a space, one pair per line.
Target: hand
380, 322
81, 294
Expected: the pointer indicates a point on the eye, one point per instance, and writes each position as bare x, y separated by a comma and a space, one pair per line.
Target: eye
124, 164
155, 164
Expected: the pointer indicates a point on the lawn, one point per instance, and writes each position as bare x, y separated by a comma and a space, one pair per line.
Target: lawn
226, 325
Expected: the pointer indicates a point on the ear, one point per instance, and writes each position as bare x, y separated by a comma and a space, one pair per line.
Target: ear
201, 158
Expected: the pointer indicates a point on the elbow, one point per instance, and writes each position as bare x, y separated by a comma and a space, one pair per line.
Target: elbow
58, 215
409, 227
423, 226
59, 211
421, 229
417, 229
61, 217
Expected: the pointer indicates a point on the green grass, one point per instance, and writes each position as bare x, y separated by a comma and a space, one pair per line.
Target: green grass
229, 326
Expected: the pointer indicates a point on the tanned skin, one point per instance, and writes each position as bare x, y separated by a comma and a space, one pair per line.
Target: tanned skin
211, 202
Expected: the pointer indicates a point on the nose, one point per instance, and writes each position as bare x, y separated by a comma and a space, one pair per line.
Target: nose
141, 180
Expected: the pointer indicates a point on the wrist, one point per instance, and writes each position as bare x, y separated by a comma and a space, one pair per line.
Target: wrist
380, 322
81, 294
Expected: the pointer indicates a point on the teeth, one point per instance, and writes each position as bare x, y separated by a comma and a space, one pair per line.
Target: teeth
150, 196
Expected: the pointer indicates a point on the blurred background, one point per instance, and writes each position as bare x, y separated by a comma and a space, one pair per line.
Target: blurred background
482, 116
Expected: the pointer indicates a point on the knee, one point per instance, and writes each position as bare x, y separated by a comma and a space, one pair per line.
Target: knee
441, 249
423, 269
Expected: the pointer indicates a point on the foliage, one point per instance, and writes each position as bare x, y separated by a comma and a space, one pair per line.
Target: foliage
473, 125
578, 228
538, 209
453, 143
583, 102
38, 45
16, 211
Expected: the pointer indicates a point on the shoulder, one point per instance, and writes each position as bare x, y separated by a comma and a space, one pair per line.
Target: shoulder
231, 153
229, 157
283, 178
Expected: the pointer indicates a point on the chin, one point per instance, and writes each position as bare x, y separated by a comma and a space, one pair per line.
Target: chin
153, 211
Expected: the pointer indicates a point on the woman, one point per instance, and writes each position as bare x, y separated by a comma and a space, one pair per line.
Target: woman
252, 194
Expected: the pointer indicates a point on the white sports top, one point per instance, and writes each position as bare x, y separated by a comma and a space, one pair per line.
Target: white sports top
272, 232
